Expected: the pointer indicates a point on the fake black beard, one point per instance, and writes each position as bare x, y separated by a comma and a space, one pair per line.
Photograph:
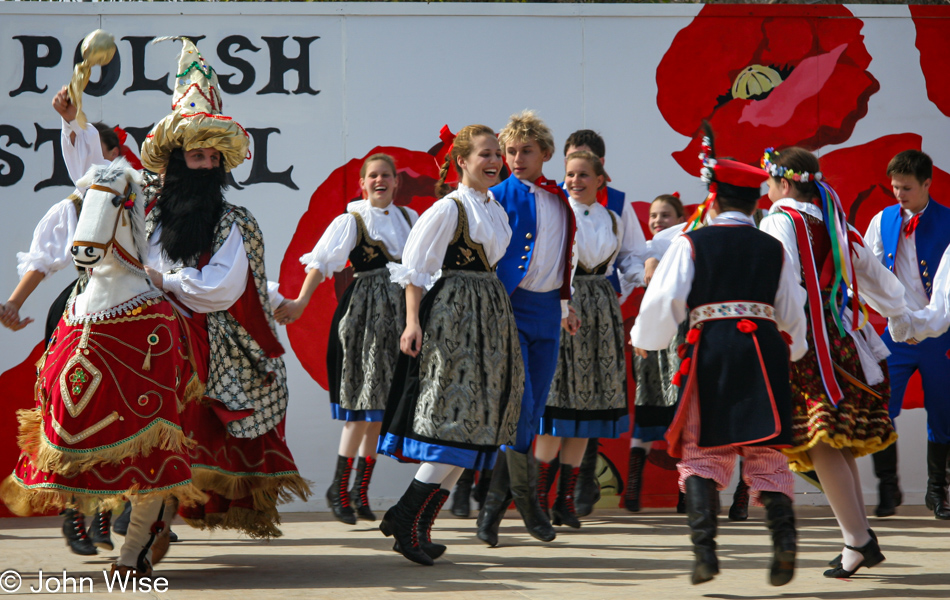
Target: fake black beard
190, 205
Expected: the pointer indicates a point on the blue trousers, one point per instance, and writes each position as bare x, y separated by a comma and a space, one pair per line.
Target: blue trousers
930, 358
538, 317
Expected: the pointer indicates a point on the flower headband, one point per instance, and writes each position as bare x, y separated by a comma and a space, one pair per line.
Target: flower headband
776, 171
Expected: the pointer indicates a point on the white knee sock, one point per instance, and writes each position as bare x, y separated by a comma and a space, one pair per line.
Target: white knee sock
838, 483
430, 472
635, 443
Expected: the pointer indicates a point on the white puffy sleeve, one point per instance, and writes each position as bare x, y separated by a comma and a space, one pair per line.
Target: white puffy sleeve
664, 304
84, 153
333, 250
52, 241
790, 310
876, 284
274, 294
633, 252
425, 249
780, 226
932, 320
217, 285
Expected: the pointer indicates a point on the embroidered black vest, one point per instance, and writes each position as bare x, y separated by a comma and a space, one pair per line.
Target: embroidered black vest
463, 254
600, 269
370, 254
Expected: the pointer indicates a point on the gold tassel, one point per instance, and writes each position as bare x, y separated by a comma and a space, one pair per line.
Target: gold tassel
147, 365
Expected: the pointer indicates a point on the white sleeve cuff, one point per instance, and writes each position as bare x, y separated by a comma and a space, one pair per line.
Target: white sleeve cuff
403, 276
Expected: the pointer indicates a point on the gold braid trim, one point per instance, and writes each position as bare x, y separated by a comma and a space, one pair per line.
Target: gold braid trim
800, 462
25, 502
253, 523
48, 458
265, 491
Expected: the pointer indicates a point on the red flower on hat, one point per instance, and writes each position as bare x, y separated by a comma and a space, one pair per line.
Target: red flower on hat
783, 76
417, 174
934, 44
859, 175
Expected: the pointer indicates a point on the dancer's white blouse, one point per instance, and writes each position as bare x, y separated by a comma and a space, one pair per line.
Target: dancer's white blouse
878, 287
52, 240
597, 242
425, 249
387, 225
664, 305
216, 286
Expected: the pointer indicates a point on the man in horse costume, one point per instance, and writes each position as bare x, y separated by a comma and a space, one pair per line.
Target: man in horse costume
208, 255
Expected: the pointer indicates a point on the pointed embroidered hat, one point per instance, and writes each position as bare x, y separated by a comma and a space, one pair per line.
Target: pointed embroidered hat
196, 120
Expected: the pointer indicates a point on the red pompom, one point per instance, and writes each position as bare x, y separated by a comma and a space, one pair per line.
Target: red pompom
787, 338
678, 379
746, 326
681, 350
684, 366
692, 336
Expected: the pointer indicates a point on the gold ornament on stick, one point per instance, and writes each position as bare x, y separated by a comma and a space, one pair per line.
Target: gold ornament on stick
98, 48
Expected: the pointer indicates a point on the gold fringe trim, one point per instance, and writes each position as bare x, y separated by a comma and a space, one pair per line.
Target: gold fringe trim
25, 502
800, 462
51, 459
194, 390
29, 432
253, 523
266, 491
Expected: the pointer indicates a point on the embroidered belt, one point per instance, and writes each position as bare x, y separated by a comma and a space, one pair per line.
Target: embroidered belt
731, 310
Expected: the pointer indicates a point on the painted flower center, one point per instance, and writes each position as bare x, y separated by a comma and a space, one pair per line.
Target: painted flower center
755, 81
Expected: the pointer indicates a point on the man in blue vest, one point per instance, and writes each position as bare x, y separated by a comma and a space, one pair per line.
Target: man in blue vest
588, 488
536, 270
910, 238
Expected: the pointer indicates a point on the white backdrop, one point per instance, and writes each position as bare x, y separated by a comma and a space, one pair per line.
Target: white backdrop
393, 74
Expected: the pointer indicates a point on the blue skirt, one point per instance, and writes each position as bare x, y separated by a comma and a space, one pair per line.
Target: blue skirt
410, 450
595, 428
342, 414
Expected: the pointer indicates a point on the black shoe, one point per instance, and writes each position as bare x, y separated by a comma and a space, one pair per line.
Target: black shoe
429, 513
99, 531
871, 556
338, 497
936, 497
701, 514
889, 491
739, 511
563, 512
523, 478
172, 536
403, 520
121, 523
461, 497
631, 495
680, 503
587, 490
496, 504
74, 530
359, 495
836, 561
780, 519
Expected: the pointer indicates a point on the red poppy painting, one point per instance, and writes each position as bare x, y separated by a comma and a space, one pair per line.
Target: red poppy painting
933, 42
776, 76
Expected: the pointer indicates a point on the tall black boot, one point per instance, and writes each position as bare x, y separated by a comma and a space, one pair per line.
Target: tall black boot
496, 503
461, 497
99, 531
523, 475
405, 519
427, 517
701, 514
480, 491
338, 494
74, 530
739, 511
546, 473
587, 490
631, 495
564, 511
780, 519
359, 495
889, 491
936, 498
121, 524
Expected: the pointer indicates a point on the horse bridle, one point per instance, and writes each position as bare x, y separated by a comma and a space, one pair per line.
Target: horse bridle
126, 255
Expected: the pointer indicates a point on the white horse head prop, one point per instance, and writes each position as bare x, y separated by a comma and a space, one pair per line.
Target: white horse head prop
110, 239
